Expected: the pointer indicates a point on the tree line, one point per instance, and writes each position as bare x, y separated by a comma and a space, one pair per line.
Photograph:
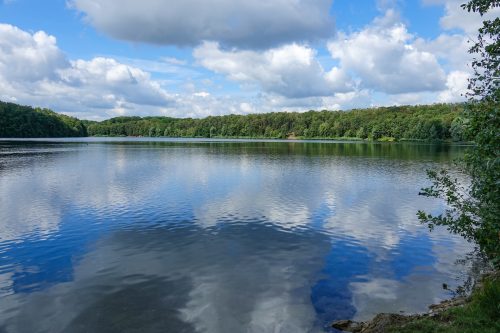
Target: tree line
422, 122
18, 121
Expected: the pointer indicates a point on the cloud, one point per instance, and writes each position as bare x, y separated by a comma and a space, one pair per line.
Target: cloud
379, 64
247, 24
337, 101
25, 56
116, 81
458, 18
382, 59
385, 58
450, 49
290, 70
457, 84
34, 70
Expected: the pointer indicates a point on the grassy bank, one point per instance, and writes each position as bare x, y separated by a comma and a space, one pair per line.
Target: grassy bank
480, 315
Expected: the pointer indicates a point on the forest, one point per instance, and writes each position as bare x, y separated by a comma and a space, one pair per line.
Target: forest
429, 122
17, 121
422, 122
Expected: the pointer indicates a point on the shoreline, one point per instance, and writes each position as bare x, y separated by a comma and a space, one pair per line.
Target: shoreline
438, 313
242, 139
382, 321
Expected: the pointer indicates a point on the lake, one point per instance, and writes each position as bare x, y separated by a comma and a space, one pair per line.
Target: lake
171, 235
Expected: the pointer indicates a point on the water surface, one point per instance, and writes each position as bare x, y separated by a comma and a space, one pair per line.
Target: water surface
141, 235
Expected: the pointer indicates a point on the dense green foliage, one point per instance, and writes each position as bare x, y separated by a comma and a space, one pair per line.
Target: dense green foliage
481, 315
430, 122
485, 84
425, 122
17, 121
474, 209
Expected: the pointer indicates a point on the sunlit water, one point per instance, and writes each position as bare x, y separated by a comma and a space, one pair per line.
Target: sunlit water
203, 236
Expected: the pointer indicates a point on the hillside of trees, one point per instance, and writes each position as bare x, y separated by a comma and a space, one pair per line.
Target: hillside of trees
424, 122
17, 121
429, 122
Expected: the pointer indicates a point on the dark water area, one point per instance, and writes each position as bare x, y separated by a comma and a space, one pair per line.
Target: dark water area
165, 235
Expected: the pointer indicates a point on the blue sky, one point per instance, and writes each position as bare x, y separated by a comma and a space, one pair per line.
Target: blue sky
97, 59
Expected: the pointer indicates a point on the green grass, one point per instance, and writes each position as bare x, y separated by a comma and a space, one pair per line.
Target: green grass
387, 139
481, 315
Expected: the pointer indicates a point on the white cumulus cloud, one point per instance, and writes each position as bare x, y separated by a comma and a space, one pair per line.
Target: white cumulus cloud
25, 56
384, 57
457, 84
457, 18
248, 57
291, 70
34, 70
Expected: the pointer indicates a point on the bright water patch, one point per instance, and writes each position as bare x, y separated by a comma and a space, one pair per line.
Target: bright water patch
123, 235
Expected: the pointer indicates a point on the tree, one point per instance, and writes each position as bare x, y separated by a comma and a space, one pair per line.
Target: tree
213, 131
474, 209
486, 81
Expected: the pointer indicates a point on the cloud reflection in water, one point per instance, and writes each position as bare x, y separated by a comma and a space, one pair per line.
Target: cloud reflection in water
215, 237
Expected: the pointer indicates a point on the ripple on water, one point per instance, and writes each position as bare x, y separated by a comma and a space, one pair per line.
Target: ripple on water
186, 237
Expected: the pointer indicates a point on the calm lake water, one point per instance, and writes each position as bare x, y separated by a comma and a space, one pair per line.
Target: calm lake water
138, 235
